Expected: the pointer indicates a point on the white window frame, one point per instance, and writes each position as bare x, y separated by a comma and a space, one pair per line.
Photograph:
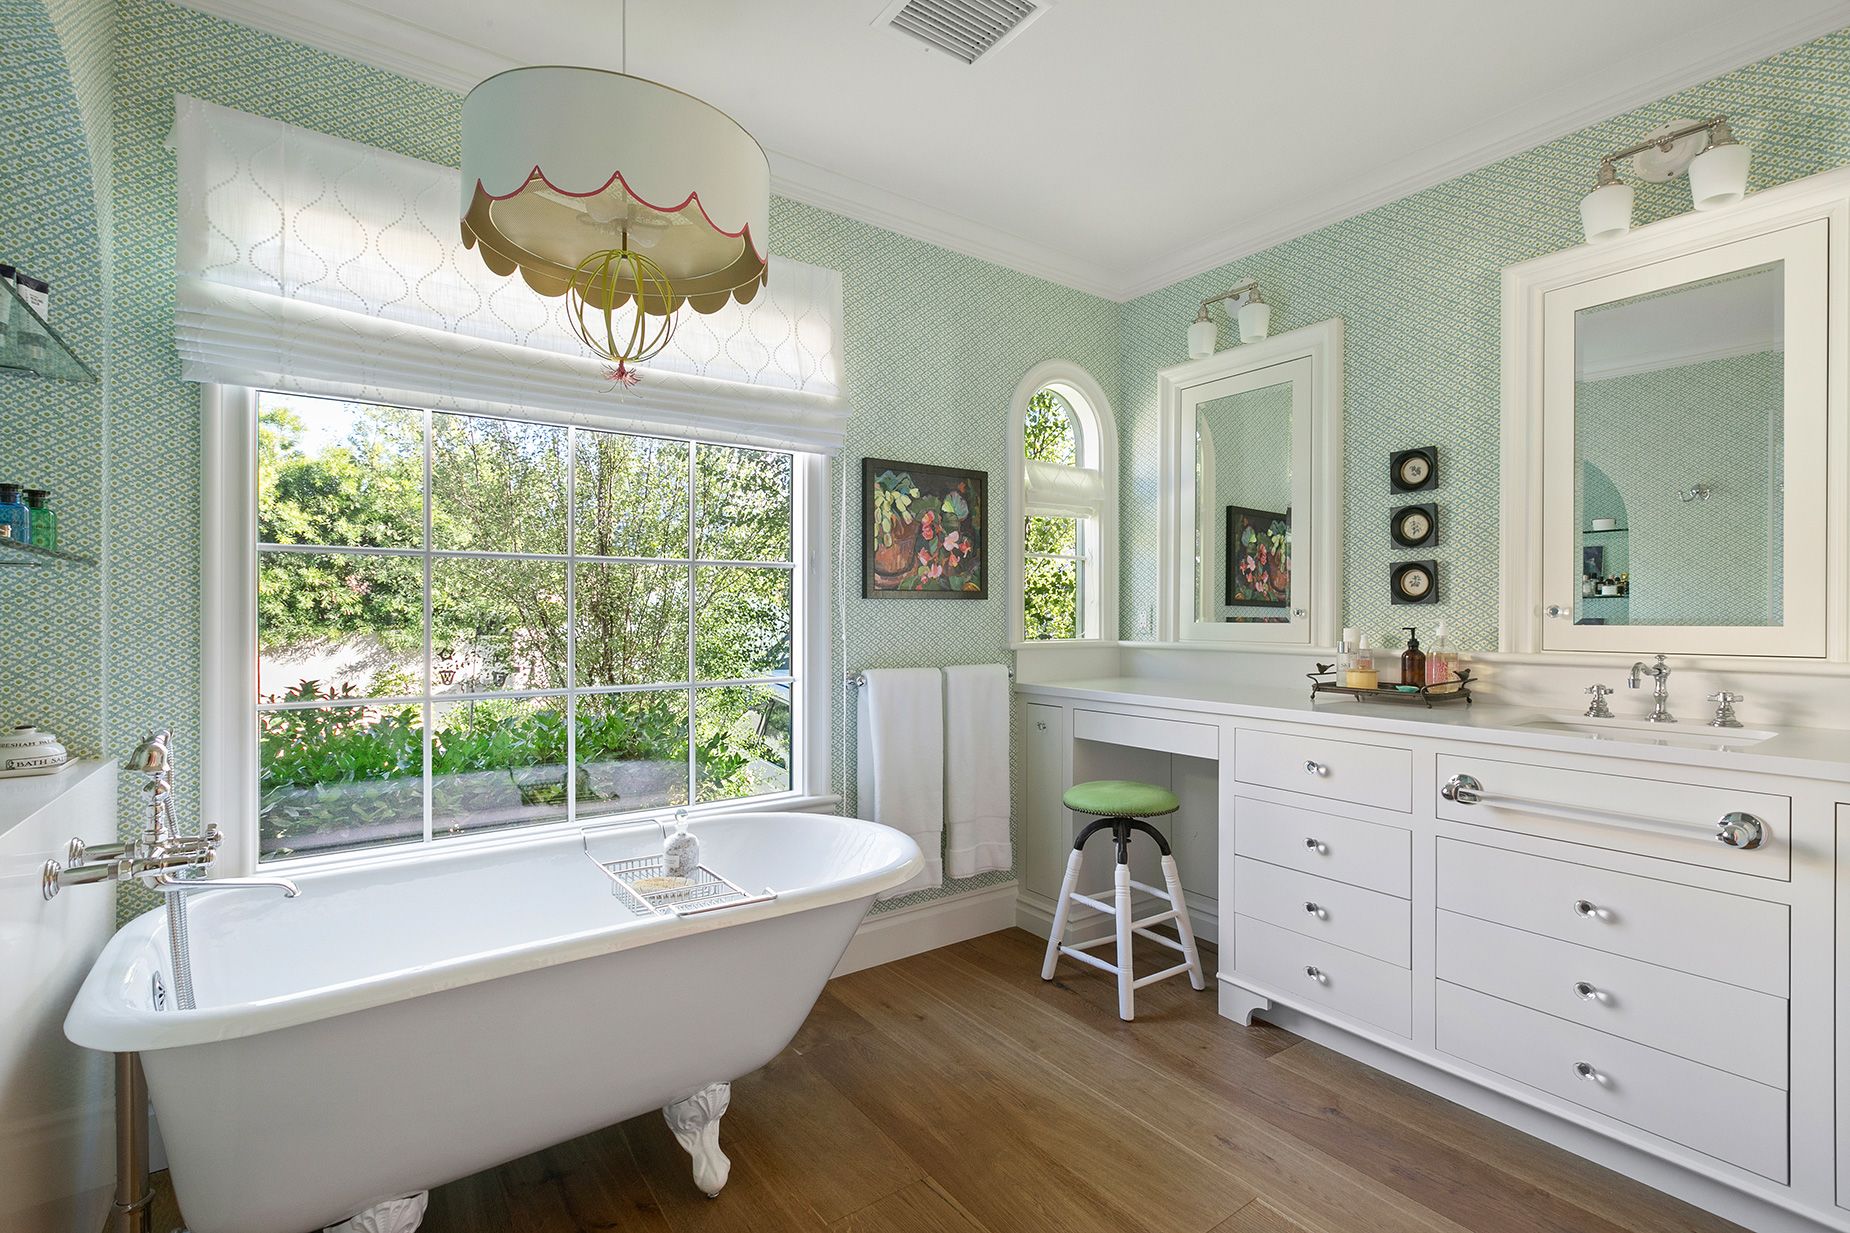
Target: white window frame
1096, 432
229, 657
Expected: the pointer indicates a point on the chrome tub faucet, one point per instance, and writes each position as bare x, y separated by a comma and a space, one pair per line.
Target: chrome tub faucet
1659, 672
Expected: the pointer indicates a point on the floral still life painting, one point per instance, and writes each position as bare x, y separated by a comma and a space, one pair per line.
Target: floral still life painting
923, 530
1258, 557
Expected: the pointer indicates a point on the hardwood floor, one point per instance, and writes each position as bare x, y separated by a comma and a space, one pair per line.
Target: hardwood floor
955, 1092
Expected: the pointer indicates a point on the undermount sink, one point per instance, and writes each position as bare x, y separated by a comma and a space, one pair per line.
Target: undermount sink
1636, 731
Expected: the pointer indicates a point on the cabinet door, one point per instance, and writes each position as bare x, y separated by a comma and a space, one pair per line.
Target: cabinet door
1047, 835
1843, 1005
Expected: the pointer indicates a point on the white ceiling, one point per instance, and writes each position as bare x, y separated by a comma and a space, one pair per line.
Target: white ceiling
1113, 146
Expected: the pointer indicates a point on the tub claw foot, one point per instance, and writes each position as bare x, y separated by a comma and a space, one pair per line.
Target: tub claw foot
695, 1122
392, 1216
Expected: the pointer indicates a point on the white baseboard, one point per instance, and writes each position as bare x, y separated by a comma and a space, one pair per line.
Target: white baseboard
915, 930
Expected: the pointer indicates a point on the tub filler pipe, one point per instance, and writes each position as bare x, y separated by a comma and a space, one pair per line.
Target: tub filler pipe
133, 1209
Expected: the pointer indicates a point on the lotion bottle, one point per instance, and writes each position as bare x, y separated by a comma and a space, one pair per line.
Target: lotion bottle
1363, 674
1412, 660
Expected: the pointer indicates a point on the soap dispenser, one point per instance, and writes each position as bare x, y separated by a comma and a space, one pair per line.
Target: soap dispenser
1441, 659
680, 852
1412, 660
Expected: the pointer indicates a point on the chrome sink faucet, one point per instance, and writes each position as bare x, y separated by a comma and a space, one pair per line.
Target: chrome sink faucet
1660, 692
1597, 709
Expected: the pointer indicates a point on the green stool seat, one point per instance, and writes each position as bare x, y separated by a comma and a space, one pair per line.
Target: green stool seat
1120, 798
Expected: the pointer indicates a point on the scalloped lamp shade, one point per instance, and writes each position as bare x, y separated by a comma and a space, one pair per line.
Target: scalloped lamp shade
561, 163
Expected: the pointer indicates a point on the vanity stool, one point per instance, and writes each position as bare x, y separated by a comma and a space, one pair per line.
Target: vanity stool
1122, 805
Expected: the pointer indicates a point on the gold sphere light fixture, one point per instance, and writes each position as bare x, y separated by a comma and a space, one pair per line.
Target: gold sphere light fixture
571, 170
605, 282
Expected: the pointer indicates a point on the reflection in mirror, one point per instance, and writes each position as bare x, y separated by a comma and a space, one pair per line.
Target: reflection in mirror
1243, 507
1679, 445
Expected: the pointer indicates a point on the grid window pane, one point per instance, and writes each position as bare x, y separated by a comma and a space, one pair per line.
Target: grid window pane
632, 496
743, 509
339, 625
344, 474
742, 741
496, 763
632, 751
496, 624
1050, 599
743, 628
339, 777
497, 485
632, 624
554, 648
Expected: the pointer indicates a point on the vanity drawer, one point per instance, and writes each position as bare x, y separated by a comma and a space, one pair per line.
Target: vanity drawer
1355, 919
1624, 813
1719, 1114
1378, 775
1735, 1029
1312, 972
1724, 937
1175, 736
1359, 853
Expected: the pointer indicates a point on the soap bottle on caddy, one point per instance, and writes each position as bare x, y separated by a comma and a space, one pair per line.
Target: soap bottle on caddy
1412, 660
680, 851
1441, 662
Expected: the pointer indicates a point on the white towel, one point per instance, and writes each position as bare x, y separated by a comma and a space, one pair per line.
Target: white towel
976, 769
900, 762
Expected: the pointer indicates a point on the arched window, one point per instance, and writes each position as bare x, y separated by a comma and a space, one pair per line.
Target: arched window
1064, 480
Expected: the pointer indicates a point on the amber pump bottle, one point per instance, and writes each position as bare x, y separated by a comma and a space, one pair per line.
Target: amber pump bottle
1412, 660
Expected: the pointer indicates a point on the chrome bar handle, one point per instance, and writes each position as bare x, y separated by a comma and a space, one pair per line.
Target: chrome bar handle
1736, 829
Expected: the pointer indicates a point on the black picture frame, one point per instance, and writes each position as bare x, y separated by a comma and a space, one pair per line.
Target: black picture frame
1430, 453
1397, 574
1432, 525
893, 570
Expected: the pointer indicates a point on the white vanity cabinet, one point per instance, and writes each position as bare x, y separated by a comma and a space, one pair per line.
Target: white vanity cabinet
1638, 952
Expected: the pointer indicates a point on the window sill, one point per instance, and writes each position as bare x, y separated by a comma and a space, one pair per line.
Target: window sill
1058, 643
414, 853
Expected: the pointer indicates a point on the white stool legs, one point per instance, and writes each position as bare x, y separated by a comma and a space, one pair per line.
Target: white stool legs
1126, 927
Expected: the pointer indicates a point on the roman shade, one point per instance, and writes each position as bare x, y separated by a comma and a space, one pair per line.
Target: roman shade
315, 265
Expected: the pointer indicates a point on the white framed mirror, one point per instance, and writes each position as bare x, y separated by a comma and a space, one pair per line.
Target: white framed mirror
1673, 439
1252, 492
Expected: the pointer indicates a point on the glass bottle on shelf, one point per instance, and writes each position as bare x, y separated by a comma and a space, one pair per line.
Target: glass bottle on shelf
15, 519
42, 519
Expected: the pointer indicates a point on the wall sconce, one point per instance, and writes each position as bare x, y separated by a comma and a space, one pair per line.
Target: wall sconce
1254, 316
1716, 162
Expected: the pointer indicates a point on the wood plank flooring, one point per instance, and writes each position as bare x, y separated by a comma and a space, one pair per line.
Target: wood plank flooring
955, 1092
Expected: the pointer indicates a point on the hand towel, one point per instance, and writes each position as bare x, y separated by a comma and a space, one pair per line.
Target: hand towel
900, 762
976, 769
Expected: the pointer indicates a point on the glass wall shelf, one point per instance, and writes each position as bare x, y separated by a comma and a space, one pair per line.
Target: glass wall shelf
12, 552
28, 344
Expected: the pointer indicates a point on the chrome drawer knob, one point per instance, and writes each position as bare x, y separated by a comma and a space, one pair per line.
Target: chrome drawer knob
1316, 974
1586, 909
1316, 768
1589, 1072
1315, 845
1741, 830
1315, 909
1586, 991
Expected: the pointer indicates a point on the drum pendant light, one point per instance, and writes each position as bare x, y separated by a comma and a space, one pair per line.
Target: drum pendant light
632, 197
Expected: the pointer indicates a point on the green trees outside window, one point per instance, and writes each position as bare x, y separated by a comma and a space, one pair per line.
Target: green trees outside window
468, 623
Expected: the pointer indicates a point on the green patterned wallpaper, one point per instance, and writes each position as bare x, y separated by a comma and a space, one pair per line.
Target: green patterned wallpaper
1417, 282
54, 89
935, 344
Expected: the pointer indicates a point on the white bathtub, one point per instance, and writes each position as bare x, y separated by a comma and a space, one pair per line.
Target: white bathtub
399, 1026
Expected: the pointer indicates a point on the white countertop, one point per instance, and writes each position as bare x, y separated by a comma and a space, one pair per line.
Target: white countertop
1813, 753
28, 795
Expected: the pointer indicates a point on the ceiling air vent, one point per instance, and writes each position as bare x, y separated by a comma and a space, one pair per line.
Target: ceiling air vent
966, 29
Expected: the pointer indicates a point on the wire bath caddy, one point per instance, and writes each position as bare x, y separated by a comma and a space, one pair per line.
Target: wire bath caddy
706, 891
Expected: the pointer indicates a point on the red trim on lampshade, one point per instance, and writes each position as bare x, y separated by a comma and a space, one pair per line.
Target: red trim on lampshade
616, 177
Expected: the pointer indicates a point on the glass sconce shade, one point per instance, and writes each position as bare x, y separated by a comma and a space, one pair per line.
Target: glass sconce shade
1255, 321
1203, 337
1718, 176
1606, 212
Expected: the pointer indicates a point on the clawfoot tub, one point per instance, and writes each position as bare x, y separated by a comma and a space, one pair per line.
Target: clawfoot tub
398, 1026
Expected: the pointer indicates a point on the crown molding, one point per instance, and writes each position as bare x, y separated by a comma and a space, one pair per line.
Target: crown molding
1580, 103
350, 29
